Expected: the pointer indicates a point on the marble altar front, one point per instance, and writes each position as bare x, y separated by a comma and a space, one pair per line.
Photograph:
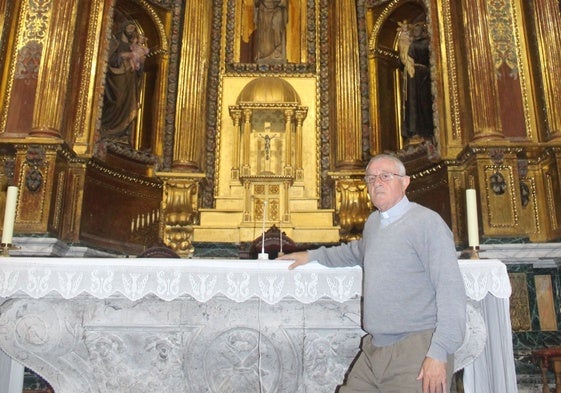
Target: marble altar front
142, 325
125, 325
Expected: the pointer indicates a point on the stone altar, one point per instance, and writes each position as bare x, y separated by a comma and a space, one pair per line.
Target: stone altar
141, 325
125, 325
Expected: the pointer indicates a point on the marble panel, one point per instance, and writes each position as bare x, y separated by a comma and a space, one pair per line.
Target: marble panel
148, 345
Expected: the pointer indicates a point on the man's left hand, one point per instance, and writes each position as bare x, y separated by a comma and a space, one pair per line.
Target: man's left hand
433, 375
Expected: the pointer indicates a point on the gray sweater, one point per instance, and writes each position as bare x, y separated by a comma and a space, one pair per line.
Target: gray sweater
412, 281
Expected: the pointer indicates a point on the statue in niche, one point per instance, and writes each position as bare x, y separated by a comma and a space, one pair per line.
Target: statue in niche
127, 53
267, 147
414, 54
271, 17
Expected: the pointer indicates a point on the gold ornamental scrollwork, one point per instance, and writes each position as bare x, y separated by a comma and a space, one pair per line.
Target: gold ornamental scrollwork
180, 212
352, 204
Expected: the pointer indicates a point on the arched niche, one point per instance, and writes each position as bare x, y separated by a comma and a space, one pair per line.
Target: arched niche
268, 118
147, 131
267, 147
386, 72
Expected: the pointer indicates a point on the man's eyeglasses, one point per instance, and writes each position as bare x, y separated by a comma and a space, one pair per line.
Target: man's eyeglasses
384, 177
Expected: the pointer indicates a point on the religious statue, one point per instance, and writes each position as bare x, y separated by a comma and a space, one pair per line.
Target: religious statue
268, 140
127, 53
271, 17
414, 54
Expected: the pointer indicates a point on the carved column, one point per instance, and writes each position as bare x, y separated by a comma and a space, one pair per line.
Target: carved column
236, 115
53, 78
346, 110
483, 87
247, 214
288, 148
191, 102
546, 15
246, 141
300, 116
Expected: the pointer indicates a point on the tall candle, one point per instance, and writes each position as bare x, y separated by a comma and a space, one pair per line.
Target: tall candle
472, 225
9, 214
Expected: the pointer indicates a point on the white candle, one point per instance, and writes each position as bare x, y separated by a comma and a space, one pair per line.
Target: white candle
10, 214
472, 225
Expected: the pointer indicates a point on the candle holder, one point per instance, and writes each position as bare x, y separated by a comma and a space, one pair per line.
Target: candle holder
472, 252
263, 256
6, 247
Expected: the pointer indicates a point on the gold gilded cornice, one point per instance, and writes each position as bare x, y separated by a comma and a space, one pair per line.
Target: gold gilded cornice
124, 176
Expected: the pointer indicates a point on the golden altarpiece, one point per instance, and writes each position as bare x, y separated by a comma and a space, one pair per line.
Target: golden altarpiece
250, 114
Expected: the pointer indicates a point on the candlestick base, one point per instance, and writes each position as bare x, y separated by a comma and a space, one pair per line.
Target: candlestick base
280, 254
6, 249
263, 256
472, 252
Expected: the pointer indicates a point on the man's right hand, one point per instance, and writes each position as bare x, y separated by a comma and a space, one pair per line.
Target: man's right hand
300, 258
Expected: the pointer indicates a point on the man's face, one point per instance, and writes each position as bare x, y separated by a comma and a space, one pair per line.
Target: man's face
130, 30
385, 194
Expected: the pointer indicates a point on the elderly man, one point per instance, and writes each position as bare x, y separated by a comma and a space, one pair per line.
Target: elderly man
414, 296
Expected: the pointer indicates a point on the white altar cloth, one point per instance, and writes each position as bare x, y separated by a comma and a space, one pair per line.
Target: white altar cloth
168, 279
492, 369
488, 367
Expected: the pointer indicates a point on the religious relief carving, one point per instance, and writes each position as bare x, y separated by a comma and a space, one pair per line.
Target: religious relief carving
34, 160
498, 183
234, 362
320, 354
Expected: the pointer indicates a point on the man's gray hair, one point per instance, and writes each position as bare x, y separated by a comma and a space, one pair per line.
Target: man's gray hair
399, 167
